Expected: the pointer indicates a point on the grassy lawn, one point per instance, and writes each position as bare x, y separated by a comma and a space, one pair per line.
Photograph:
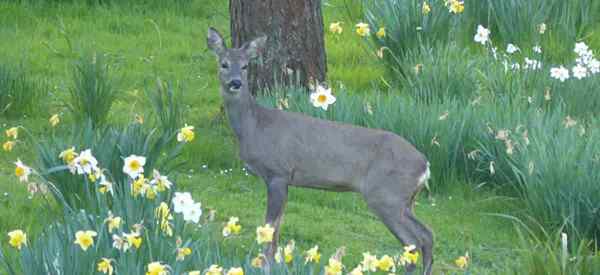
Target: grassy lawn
145, 43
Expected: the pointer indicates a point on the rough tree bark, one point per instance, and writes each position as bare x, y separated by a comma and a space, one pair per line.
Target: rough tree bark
295, 52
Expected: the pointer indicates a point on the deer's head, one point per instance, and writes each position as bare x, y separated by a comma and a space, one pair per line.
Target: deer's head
233, 63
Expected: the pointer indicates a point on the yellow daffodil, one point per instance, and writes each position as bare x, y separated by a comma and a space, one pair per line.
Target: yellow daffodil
105, 266
463, 261
381, 32
426, 8
68, 155
386, 263
214, 270
232, 227
156, 268
138, 186
12, 133
18, 238
112, 223
288, 252
264, 234
235, 271
456, 6
410, 256
22, 171
336, 28
186, 134
258, 261
85, 239
9, 145
133, 239
183, 252
334, 267
313, 255
362, 29
54, 120
195, 272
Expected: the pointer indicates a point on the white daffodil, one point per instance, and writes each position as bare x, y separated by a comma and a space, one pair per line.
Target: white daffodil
322, 98
537, 49
192, 212
560, 73
510, 49
134, 166
181, 201
160, 182
85, 163
581, 48
594, 66
532, 64
22, 171
579, 71
483, 35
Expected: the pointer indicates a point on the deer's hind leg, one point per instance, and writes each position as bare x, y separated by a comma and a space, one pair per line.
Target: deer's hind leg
390, 199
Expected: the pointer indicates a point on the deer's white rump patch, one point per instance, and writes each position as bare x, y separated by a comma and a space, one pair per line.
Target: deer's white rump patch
425, 177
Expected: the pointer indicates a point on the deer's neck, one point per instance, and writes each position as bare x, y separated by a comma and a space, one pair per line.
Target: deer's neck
242, 114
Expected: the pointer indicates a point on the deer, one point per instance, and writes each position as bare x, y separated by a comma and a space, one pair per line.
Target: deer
288, 149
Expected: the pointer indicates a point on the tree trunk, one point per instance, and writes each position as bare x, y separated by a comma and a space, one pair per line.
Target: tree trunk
295, 51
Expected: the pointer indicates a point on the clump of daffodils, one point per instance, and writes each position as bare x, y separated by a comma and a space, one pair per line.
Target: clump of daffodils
287, 251
232, 227
264, 234
322, 97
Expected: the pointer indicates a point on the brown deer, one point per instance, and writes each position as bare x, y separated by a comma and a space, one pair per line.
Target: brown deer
289, 149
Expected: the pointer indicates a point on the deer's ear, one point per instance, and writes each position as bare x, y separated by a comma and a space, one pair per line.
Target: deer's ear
254, 47
215, 41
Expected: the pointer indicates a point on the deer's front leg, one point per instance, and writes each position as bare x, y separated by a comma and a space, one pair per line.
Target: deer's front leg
277, 198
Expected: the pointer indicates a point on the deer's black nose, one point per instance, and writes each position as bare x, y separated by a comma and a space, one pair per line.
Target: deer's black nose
235, 84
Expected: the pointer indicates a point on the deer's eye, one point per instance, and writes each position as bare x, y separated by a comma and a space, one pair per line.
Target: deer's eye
224, 65
245, 67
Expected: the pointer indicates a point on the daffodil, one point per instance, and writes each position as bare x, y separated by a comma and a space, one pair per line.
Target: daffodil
542, 28
68, 155
410, 256
105, 266
560, 73
161, 183
183, 252
22, 171
134, 166
258, 261
456, 6
386, 263
322, 98
137, 186
369, 262
362, 29
186, 134
112, 222
235, 271
156, 268
9, 145
264, 234
336, 28
192, 212
232, 227
163, 214
426, 8
54, 120
195, 272
105, 186
313, 255
462, 262
85, 239
181, 200
483, 35
288, 252
334, 267
12, 132
381, 32
17, 238
85, 163
214, 270
133, 239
